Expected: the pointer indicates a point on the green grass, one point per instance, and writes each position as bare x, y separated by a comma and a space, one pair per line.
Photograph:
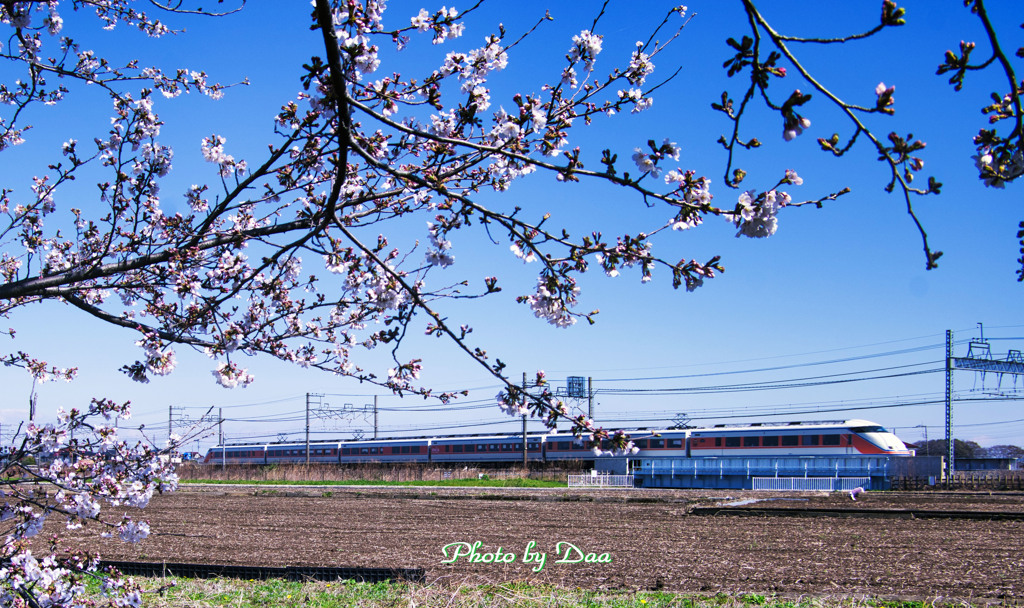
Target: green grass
273, 593
447, 483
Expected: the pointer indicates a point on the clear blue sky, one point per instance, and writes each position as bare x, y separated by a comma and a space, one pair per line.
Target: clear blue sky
838, 293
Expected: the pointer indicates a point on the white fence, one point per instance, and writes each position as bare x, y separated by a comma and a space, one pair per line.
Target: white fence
601, 481
829, 484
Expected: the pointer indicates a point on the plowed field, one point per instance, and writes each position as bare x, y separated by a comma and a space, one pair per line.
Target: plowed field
650, 538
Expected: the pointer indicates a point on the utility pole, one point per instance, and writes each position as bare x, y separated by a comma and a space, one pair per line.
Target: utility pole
949, 408
525, 465
170, 424
590, 397
307, 428
220, 439
982, 362
375, 416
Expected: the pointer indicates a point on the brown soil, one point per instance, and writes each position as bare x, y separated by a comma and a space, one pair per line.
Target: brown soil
651, 539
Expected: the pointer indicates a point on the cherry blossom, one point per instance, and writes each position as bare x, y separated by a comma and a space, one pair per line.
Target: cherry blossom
307, 249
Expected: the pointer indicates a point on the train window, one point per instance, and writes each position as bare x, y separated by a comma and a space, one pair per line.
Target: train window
564, 445
405, 449
364, 450
641, 443
732, 442
751, 442
770, 440
812, 439
869, 429
657, 443
470, 448
416, 449
344, 451
493, 447
457, 449
790, 440
675, 443
830, 440
718, 442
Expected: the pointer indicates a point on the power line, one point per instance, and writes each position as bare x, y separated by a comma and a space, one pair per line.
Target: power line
775, 368
759, 386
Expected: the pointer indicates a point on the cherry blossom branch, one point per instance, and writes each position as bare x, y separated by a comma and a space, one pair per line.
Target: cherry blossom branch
900, 147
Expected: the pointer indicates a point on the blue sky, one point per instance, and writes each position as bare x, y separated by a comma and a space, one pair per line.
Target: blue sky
838, 293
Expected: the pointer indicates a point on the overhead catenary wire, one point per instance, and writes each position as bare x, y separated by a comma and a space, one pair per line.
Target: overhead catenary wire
642, 387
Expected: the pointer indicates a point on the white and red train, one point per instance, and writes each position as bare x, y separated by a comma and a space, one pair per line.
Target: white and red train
841, 438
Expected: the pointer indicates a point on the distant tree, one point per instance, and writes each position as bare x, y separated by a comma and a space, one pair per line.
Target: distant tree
961, 449
1004, 451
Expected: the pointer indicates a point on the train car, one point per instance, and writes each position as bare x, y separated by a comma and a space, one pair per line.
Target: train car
846, 438
385, 450
836, 438
319, 452
251, 453
487, 448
